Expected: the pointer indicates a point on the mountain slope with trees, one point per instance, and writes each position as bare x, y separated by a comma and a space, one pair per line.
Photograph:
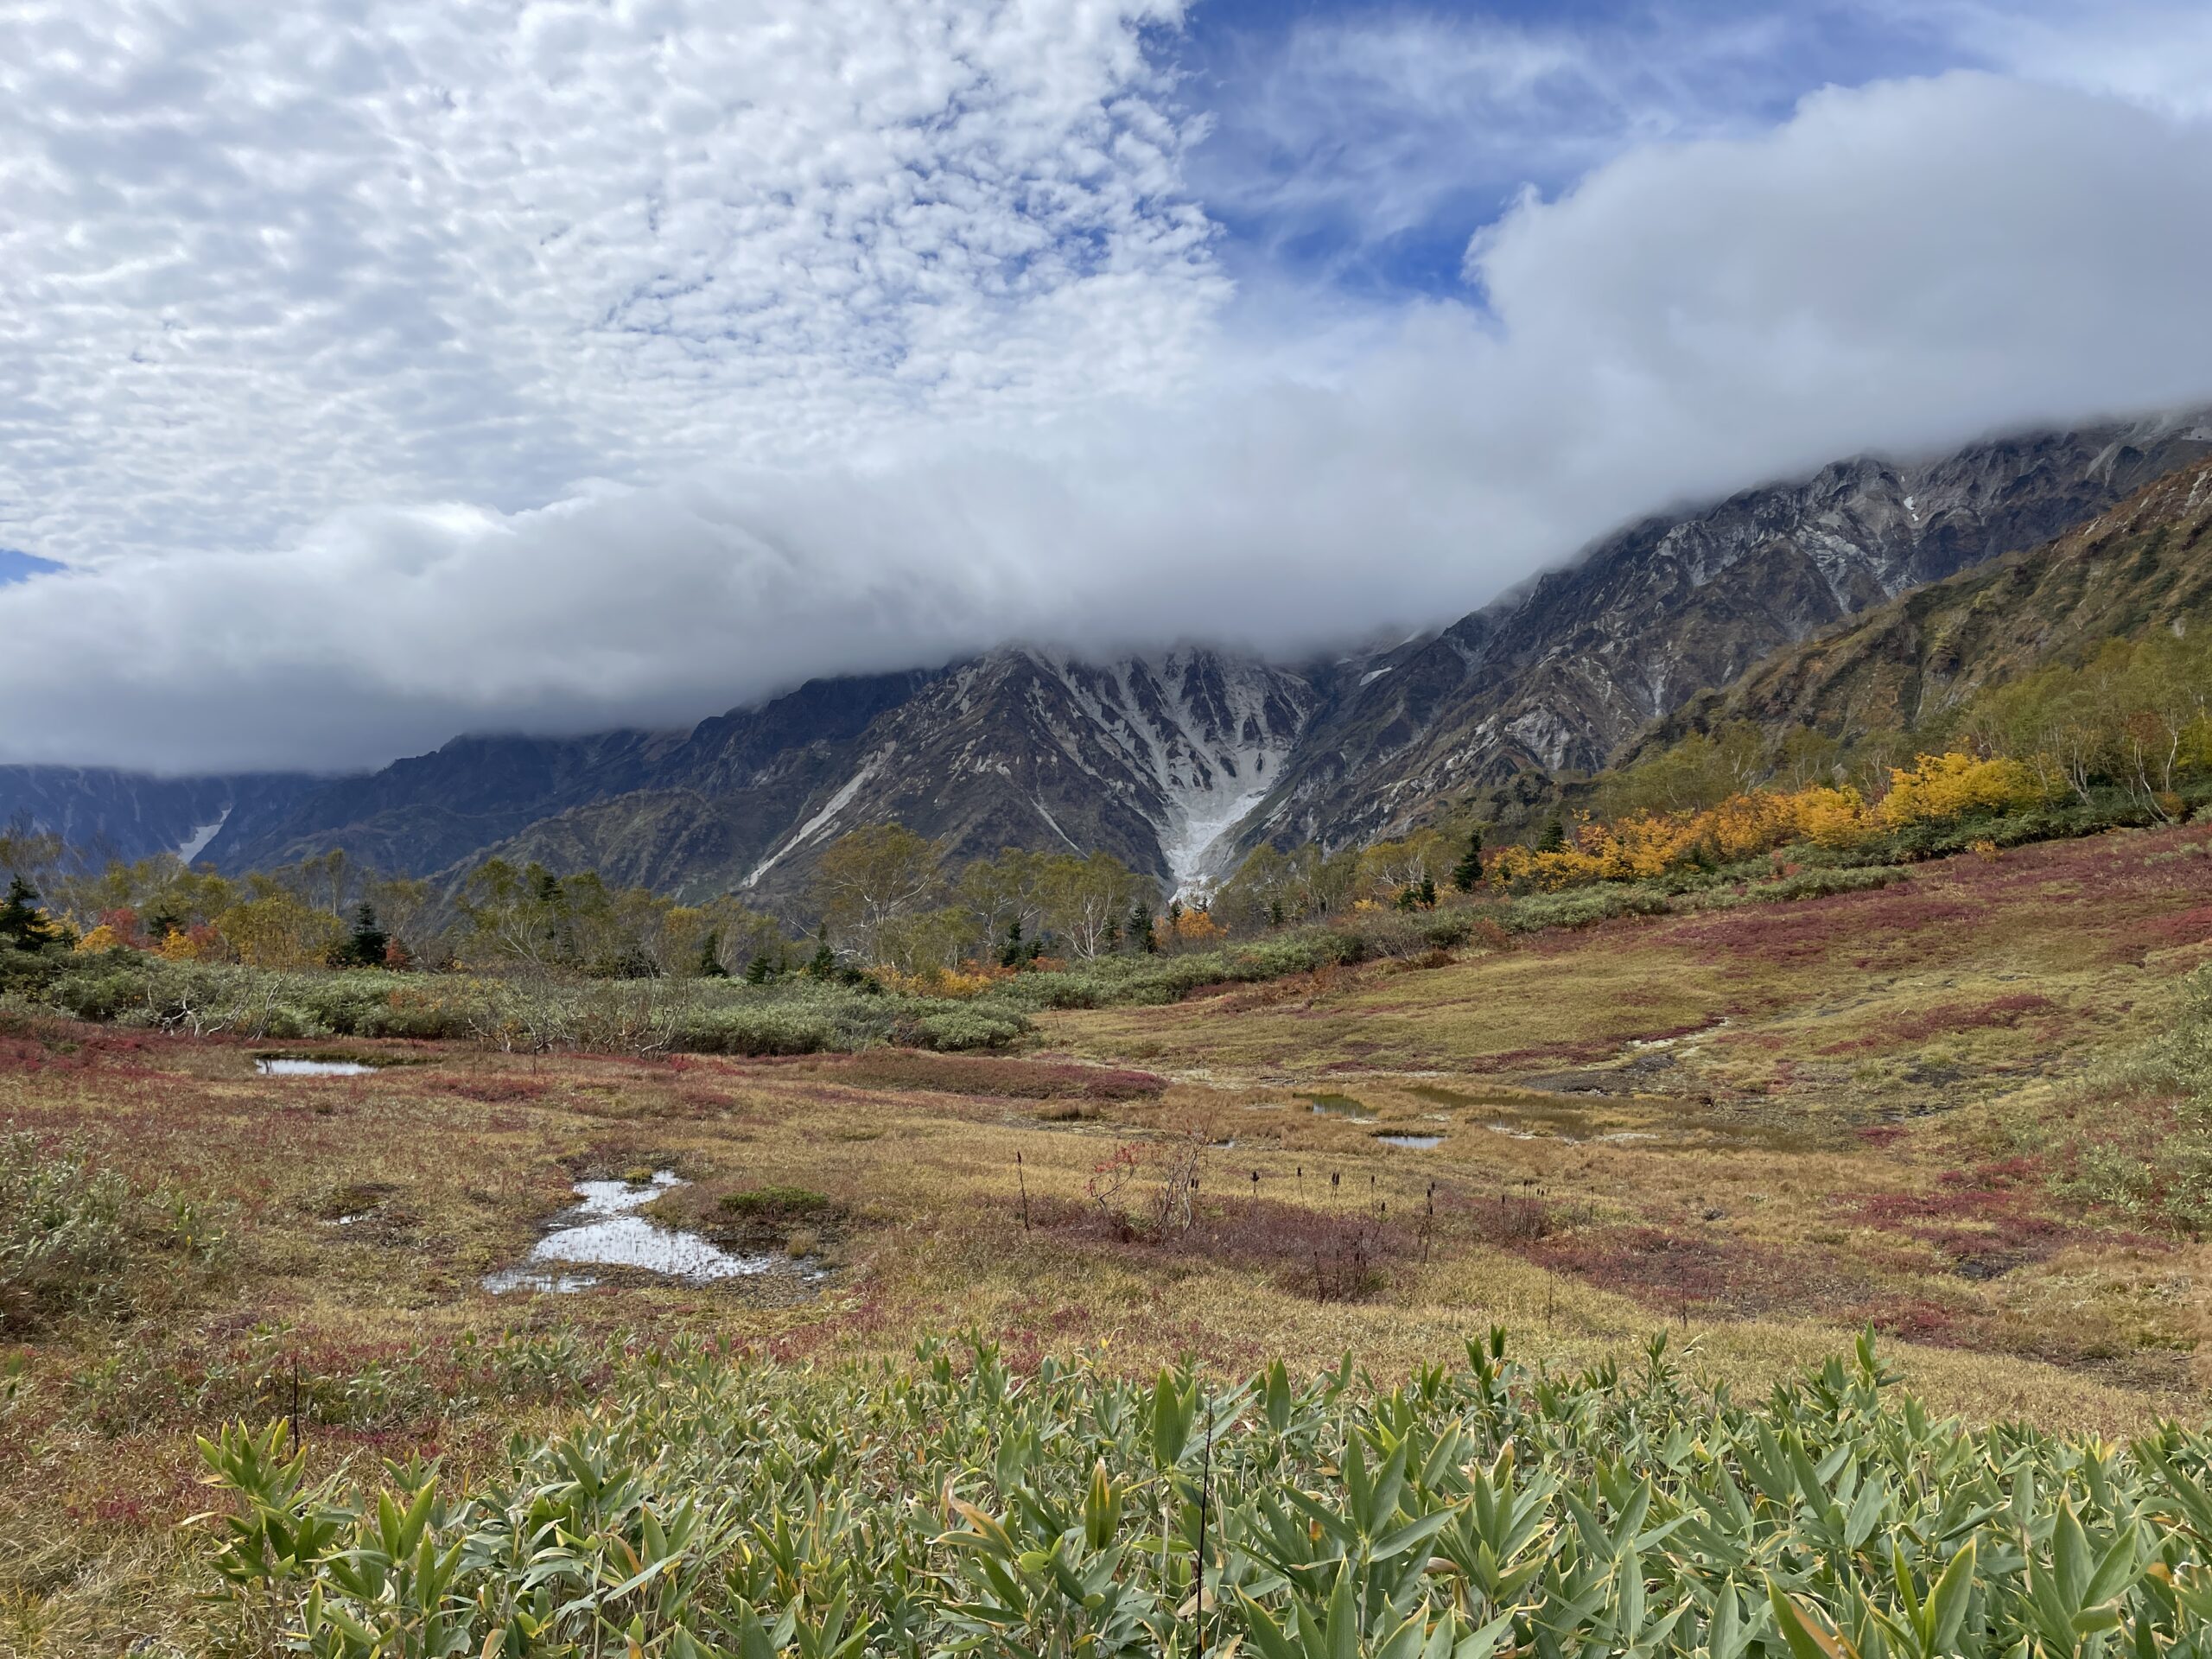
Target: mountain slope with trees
2140, 568
1554, 679
1033, 749
1149, 759
726, 780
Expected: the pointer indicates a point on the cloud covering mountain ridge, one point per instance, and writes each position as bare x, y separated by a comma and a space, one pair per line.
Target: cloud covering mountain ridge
990, 378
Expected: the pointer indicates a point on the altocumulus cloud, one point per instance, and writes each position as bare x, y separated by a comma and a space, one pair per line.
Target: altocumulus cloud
517, 420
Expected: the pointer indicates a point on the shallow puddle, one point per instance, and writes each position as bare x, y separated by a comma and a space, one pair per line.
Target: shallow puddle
1337, 1106
602, 1232
1412, 1142
272, 1068
531, 1279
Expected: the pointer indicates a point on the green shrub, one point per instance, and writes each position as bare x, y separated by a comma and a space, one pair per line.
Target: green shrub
100, 990
2146, 1146
794, 1016
353, 1003
29, 973
1819, 884
960, 1026
1447, 929
1582, 907
757, 1030
1111, 981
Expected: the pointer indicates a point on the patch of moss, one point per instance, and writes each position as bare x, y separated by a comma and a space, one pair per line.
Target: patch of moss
776, 1203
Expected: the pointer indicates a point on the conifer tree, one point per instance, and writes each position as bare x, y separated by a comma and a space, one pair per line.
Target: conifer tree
710, 957
22, 925
366, 944
1142, 938
1467, 873
1553, 838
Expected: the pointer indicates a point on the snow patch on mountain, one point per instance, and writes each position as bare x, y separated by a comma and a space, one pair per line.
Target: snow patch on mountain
820, 821
1196, 844
1053, 825
1202, 732
196, 843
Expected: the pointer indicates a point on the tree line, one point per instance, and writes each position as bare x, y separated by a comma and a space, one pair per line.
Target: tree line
333, 911
886, 897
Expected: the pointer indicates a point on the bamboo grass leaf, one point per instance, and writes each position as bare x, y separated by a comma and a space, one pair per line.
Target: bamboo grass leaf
1808, 1635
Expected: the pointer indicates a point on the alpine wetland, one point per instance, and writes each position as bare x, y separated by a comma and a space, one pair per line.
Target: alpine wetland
1151, 831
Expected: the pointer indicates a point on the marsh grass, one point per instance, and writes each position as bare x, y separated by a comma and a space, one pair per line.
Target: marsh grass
2136, 1134
63, 1241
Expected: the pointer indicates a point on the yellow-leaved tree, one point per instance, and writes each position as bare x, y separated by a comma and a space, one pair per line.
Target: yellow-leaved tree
278, 929
1939, 787
872, 879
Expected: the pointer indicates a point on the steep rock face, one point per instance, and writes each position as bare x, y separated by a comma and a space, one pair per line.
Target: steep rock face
755, 748
723, 798
104, 813
1557, 676
1152, 759
2144, 564
424, 813
428, 810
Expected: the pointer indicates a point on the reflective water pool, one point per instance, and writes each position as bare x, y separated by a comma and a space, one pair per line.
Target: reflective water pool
270, 1067
1337, 1106
602, 1231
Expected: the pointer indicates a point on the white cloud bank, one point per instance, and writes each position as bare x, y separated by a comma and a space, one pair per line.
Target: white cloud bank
1074, 449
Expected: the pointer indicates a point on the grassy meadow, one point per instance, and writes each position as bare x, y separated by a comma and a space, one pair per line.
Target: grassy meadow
1958, 1109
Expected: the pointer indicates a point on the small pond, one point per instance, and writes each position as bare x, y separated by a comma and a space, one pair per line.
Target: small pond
603, 1231
1337, 1106
276, 1068
1412, 1142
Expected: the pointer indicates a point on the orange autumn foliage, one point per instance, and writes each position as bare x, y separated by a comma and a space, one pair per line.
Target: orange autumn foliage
1196, 926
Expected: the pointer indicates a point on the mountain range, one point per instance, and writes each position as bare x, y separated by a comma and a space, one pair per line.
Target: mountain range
1178, 760
2137, 567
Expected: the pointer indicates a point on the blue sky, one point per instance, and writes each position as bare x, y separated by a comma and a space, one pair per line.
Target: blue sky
1465, 106
22, 567
389, 368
